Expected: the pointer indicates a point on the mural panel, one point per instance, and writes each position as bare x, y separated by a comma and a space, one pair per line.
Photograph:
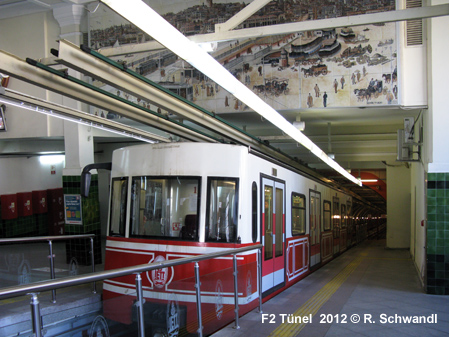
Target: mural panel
342, 67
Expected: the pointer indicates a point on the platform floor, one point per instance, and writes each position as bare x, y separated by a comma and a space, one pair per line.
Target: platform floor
367, 291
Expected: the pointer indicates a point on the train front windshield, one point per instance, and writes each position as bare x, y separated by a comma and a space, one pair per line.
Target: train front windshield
161, 207
164, 207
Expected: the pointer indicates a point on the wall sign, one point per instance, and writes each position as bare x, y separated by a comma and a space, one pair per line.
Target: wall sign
72, 206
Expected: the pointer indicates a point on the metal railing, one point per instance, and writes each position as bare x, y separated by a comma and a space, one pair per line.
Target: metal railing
34, 289
51, 256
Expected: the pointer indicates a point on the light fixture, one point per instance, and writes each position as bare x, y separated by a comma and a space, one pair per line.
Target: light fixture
27, 102
300, 125
369, 180
208, 46
51, 159
144, 17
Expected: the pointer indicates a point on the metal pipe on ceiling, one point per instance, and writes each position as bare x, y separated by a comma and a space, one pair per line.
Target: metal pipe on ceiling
132, 83
9, 96
18, 68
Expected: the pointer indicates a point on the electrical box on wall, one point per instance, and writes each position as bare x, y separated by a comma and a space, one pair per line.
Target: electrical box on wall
407, 149
9, 206
39, 202
24, 203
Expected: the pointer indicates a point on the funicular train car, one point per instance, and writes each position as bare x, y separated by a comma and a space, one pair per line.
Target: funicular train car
176, 200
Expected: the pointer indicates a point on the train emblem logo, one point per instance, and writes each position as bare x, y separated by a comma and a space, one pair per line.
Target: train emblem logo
173, 317
159, 276
219, 299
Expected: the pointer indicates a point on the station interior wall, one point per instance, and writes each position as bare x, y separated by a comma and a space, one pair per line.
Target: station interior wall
34, 35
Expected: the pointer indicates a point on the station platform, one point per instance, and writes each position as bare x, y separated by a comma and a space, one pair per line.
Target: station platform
367, 291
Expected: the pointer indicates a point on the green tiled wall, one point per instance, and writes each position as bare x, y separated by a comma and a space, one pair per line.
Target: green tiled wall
438, 233
90, 205
91, 220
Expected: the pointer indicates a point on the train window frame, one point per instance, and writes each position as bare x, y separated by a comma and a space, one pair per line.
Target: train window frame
295, 194
113, 202
254, 211
343, 216
222, 238
187, 229
349, 221
336, 217
329, 213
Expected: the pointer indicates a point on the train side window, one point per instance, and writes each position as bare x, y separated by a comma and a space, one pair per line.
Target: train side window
222, 209
336, 217
119, 197
327, 215
254, 211
343, 216
165, 207
298, 214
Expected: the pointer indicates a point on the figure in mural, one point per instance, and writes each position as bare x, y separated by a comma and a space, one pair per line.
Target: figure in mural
342, 81
389, 97
364, 71
317, 90
335, 85
395, 91
325, 99
309, 101
353, 78
237, 104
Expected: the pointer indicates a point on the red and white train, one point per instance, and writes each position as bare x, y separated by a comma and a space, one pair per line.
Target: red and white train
176, 200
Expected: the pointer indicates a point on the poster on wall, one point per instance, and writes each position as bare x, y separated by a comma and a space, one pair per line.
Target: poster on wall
328, 68
72, 206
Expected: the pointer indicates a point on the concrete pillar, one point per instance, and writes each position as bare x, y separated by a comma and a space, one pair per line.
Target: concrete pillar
79, 145
437, 234
398, 206
78, 138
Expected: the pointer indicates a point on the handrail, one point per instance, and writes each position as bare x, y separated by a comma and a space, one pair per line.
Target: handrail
46, 238
51, 256
102, 275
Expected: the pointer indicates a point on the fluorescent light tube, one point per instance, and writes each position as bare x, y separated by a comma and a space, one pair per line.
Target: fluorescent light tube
144, 17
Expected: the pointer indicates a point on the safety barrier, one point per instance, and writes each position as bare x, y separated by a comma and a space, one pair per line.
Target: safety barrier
51, 256
34, 289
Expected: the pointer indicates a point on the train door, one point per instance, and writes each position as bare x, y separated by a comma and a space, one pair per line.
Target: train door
343, 229
315, 228
336, 224
273, 234
350, 224
327, 237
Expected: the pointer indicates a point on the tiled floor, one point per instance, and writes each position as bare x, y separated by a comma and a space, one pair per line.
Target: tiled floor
383, 285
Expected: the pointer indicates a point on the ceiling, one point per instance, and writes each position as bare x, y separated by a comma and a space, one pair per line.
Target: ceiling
362, 139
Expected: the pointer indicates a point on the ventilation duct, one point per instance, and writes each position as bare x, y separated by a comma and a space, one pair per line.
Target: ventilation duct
414, 34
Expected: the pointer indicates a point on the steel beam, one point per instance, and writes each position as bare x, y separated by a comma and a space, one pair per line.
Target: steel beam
15, 67
287, 28
241, 16
75, 58
346, 21
13, 97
